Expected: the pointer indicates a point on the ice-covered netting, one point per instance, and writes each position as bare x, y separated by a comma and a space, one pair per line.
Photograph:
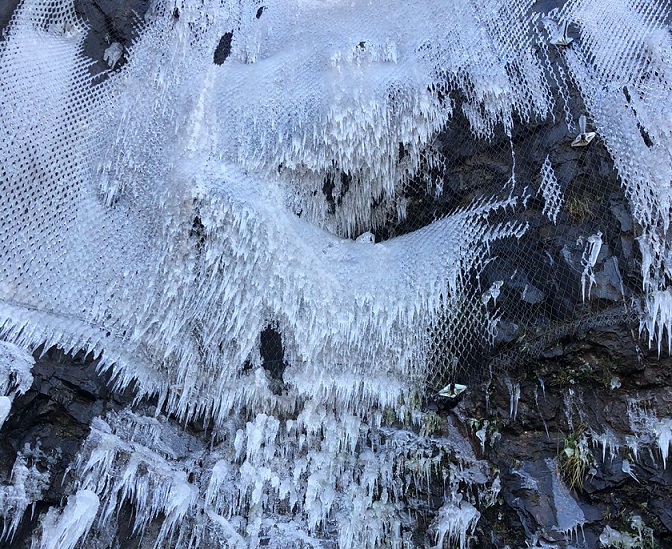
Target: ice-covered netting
163, 215
622, 65
210, 185
153, 206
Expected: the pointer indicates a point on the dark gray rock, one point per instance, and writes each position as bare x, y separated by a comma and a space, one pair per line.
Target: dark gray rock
608, 281
7, 8
621, 212
110, 21
55, 415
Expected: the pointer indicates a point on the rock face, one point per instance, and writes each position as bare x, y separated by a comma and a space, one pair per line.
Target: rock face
48, 424
600, 393
585, 414
6, 10
572, 413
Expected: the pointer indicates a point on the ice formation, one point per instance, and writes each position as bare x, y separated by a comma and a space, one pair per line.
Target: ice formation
649, 432
113, 54
65, 529
28, 482
649, 429
514, 398
281, 479
172, 208
551, 191
15, 376
569, 516
234, 256
588, 261
639, 536
455, 522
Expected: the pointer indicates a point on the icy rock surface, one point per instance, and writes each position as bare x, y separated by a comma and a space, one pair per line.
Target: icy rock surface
173, 209
26, 486
284, 481
15, 376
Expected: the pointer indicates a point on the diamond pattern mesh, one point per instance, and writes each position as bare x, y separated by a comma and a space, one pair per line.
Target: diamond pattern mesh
310, 212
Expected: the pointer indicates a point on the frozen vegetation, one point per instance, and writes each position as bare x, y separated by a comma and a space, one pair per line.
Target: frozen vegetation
165, 213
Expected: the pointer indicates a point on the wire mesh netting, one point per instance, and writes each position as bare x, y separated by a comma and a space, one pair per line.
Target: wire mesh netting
291, 221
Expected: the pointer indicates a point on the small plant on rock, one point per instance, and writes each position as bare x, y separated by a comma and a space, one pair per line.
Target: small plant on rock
575, 460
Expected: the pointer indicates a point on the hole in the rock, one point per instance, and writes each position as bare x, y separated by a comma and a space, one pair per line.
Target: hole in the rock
197, 232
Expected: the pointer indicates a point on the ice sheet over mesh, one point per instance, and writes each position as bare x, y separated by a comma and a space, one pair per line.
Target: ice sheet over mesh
622, 67
204, 198
170, 231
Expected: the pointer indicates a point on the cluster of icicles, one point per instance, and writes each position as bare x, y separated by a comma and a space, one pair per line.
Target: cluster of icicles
164, 215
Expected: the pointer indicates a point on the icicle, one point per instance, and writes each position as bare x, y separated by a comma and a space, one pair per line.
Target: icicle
455, 521
541, 415
66, 529
514, 394
492, 292
588, 260
627, 469
663, 432
607, 441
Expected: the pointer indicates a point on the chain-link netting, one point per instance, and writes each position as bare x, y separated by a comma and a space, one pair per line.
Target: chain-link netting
578, 264
292, 221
